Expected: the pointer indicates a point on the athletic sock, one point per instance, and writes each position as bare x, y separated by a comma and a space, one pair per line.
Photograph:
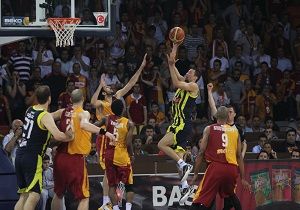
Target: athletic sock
116, 207
128, 206
181, 163
106, 199
184, 184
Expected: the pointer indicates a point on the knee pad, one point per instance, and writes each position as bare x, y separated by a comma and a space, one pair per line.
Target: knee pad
129, 187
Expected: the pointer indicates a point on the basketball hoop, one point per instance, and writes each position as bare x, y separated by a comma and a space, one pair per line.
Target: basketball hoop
64, 30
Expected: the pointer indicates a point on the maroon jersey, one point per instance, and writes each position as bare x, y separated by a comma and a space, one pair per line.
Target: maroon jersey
116, 151
64, 100
65, 120
222, 144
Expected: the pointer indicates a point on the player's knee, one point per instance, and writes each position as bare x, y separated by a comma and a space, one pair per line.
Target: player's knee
129, 187
160, 145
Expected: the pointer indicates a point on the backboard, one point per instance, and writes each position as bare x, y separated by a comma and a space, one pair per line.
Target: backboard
29, 17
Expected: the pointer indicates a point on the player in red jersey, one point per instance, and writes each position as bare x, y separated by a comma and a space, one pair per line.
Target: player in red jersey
69, 170
118, 154
221, 147
103, 109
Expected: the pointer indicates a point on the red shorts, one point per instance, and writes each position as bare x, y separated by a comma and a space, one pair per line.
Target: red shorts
70, 174
218, 178
116, 174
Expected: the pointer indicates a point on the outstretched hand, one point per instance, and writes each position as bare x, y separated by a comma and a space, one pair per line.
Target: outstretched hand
102, 80
210, 86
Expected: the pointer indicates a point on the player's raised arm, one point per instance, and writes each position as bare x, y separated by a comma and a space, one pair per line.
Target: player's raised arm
211, 101
48, 121
120, 93
174, 53
200, 156
94, 100
188, 86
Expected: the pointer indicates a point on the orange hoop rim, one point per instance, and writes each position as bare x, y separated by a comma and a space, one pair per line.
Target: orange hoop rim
62, 21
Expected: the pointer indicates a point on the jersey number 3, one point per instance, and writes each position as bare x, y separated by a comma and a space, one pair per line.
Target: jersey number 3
224, 140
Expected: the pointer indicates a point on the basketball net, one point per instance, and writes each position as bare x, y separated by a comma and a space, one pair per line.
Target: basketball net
64, 29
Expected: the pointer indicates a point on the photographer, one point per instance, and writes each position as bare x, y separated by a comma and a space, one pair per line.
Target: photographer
10, 141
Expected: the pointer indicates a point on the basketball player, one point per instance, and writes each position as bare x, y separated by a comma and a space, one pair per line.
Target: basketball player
232, 201
70, 173
231, 115
221, 147
179, 132
39, 125
118, 153
103, 109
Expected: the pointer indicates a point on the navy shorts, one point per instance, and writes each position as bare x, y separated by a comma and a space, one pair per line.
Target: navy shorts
29, 172
182, 136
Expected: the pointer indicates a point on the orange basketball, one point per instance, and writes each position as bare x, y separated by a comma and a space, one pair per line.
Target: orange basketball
176, 35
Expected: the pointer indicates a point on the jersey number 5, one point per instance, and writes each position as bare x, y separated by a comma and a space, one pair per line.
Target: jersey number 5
224, 140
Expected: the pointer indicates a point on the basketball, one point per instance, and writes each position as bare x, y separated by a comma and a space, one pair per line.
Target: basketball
176, 35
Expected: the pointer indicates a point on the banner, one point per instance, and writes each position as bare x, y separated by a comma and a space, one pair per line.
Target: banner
275, 186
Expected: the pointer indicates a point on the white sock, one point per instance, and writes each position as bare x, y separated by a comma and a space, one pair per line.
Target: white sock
128, 206
184, 184
106, 199
181, 163
116, 207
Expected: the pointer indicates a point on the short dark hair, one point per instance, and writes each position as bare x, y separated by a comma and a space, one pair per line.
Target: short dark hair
291, 130
231, 106
46, 157
149, 127
262, 151
218, 61
42, 94
117, 107
262, 136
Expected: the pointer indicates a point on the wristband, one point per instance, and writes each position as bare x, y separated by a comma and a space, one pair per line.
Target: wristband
102, 131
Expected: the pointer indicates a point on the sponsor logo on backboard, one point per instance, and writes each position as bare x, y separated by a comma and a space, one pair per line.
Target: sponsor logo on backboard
14, 21
100, 17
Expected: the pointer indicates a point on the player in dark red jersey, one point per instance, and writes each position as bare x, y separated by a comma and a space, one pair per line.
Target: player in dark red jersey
221, 148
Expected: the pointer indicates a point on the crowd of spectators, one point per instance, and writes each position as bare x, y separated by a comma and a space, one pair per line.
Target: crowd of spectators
249, 50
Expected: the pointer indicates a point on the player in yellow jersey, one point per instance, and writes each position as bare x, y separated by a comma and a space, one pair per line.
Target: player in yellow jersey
37, 130
103, 109
179, 132
70, 173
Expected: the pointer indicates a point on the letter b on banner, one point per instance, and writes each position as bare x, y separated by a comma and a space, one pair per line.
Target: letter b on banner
159, 198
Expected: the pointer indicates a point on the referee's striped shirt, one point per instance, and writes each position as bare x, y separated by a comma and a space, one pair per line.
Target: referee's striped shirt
22, 64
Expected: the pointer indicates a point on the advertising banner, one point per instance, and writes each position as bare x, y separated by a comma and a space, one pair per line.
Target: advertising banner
275, 186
